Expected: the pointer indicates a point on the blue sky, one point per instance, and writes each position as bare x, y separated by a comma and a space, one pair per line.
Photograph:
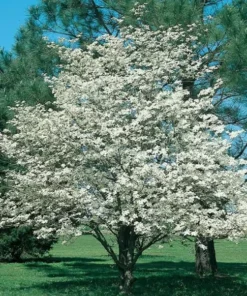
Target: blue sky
13, 14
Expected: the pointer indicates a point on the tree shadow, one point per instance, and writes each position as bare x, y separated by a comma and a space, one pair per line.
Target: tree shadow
90, 276
181, 285
51, 259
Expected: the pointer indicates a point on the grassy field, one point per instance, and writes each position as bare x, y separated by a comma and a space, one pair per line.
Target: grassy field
83, 268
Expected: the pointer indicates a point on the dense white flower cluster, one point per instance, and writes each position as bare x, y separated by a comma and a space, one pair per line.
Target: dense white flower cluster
125, 146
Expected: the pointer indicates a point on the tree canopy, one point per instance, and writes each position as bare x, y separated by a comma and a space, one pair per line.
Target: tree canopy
126, 149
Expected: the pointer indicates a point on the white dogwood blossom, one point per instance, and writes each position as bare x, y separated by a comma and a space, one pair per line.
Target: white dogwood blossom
125, 149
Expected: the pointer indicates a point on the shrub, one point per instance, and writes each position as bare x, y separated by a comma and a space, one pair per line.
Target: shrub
20, 241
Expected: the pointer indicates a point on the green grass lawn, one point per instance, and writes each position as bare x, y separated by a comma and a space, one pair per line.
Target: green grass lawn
83, 268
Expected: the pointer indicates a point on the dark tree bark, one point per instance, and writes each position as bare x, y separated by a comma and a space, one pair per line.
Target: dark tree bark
126, 242
130, 248
205, 257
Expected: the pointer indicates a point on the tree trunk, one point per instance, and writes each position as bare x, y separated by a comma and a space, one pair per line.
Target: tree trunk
205, 256
126, 281
212, 257
127, 260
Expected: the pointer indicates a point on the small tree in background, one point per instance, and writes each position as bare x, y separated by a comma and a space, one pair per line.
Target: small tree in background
126, 150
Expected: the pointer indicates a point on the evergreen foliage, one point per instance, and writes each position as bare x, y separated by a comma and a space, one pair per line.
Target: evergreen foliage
20, 241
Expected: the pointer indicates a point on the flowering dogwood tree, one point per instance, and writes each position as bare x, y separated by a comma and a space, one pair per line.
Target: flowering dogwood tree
125, 150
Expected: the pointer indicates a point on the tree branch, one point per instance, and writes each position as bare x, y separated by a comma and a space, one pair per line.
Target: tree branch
100, 17
241, 151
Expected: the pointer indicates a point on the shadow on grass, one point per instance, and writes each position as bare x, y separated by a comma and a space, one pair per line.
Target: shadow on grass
59, 260
90, 276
